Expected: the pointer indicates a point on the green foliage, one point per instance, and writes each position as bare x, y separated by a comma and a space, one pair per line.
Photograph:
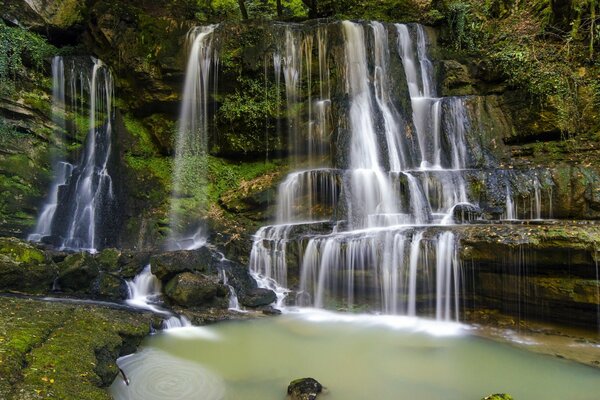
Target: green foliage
8, 133
225, 175
248, 113
521, 41
19, 49
144, 145
463, 27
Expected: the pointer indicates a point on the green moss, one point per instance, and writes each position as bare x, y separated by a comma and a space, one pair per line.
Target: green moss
21, 252
225, 175
20, 49
144, 145
58, 351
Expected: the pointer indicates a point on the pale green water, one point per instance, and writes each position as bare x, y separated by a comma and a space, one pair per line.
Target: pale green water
355, 357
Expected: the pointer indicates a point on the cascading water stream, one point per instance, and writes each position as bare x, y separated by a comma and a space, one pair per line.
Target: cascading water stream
80, 206
383, 252
191, 150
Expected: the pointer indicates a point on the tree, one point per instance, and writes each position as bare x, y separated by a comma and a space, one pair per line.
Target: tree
243, 10
312, 8
279, 9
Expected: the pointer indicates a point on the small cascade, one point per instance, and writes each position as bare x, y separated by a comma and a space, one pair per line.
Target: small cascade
175, 322
191, 149
144, 291
80, 207
234, 304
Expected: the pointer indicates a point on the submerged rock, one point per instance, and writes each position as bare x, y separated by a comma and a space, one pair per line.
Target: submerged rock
498, 396
190, 290
304, 389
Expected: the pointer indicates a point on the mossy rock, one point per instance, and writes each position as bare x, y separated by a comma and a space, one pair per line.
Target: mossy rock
165, 266
108, 260
193, 290
304, 389
21, 252
63, 351
108, 286
498, 396
23, 267
78, 271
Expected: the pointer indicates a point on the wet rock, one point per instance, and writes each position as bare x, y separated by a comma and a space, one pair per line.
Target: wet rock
304, 389
191, 290
257, 297
23, 267
271, 311
110, 287
498, 396
78, 271
165, 266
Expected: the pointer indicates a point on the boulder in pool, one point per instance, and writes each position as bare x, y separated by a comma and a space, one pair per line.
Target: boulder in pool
257, 297
193, 290
304, 389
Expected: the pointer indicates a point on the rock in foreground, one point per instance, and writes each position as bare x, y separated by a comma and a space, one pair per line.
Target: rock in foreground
304, 389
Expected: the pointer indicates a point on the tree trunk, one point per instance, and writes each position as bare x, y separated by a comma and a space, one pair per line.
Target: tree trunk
243, 10
279, 9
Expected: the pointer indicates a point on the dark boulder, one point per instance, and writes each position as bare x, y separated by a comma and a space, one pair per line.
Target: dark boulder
192, 290
109, 286
304, 389
257, 297
78, 271
166, 265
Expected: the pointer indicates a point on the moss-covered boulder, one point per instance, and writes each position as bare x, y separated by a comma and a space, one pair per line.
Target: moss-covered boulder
109, 260
109, 286
498, 396
24, 267
78, 271
194, 290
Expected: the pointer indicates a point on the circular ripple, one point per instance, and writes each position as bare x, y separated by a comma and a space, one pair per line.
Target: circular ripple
156, 375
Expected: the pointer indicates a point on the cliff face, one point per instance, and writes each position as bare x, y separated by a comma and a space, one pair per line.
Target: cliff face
144, 44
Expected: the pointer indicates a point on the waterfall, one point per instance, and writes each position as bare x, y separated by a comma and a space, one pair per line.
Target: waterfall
62, 169
80, 207
191, 149
385, 190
